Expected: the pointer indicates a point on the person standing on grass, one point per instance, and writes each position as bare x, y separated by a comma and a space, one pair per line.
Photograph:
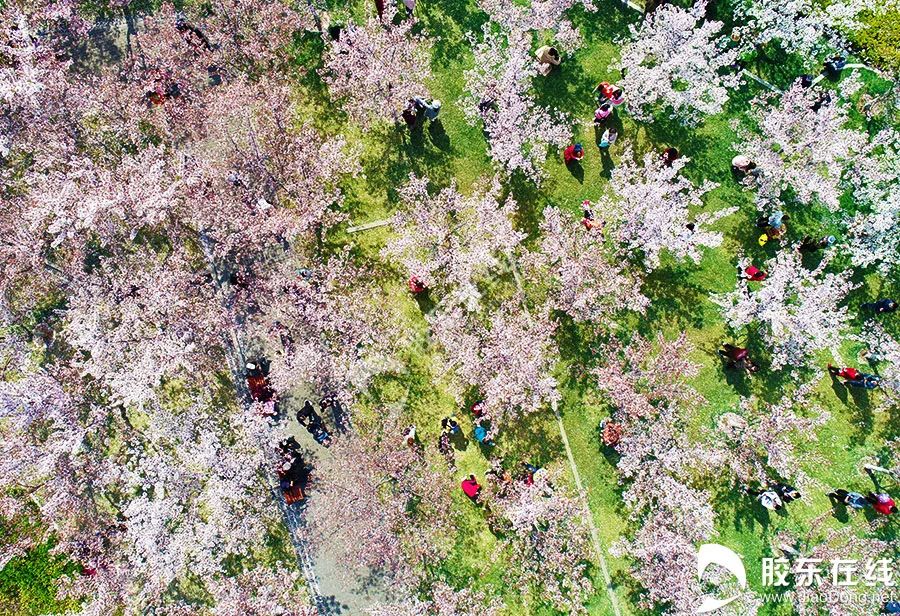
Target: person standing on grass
669, 156
847, 373
754, 273
450, 425
882, 503
864, 381
881, 306
854, 500
768, 498
573, 154
609, 137
602, 113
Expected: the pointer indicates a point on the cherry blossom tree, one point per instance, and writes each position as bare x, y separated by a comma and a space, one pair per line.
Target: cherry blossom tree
519, 130
589, 281
796, 310
875, 231
507, 359
381, 505
761, 436
659, 467
805, 28
544, 524
540, 15
653, 204
679, 62
820, 550
319, 324
376, 68
451, 242
443, 601
802, 146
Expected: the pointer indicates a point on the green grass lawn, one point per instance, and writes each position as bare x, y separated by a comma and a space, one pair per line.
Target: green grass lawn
679, 292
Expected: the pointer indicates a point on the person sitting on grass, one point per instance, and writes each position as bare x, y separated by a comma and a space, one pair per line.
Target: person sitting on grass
588, 221
785, 492
471, 488
809, 245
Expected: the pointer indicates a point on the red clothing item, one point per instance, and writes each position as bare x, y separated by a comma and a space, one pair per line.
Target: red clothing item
606, 89
569, 154
737, 354
848, 373
416, 285
883, 504
471, 488
259, 388
755, 274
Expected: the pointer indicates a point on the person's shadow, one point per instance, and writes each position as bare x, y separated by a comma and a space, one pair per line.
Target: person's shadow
840, 390
439, 136
839, 510
576, 170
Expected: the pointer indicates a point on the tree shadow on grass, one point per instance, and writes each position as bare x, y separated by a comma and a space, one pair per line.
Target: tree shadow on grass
447, 24
531, 438
531, 201
672, 298
745, 512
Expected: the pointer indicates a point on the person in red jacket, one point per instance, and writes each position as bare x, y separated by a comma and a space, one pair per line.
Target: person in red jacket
754, 273
882, 503
471, 488
573, 153
848, 373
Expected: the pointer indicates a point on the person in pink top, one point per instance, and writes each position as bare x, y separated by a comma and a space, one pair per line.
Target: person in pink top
471, 488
